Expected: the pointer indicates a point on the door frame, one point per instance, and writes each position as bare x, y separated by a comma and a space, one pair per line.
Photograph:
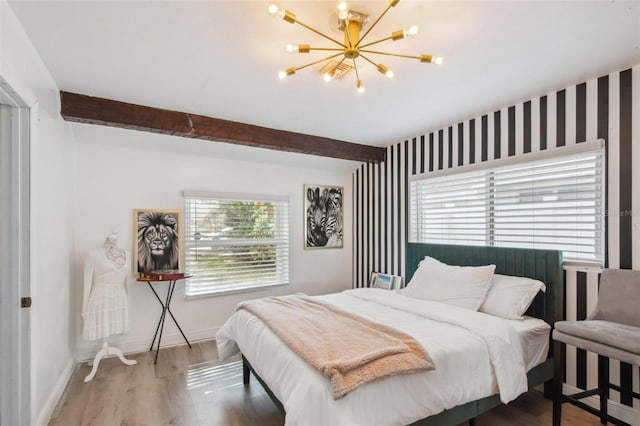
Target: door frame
15, 335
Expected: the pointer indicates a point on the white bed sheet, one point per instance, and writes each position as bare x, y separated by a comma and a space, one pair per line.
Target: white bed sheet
464, 363
534, 336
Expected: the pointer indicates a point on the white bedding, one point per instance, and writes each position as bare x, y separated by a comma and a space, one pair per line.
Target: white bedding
534, 335
467, 347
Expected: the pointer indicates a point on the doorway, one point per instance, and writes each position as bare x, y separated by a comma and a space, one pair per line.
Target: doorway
15, 356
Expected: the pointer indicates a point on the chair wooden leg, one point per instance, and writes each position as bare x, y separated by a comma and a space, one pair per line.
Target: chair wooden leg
603, 387
558, 372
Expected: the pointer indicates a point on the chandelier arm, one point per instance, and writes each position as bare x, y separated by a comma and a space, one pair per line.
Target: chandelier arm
358, 81
373, 25
391, 54
332, 49
368, 60
297, 21
355, 67
375, 42
318, 61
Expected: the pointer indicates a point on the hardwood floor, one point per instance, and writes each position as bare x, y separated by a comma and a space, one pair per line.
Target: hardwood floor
191, 387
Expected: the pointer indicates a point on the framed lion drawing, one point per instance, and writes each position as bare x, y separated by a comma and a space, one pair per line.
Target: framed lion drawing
156, 240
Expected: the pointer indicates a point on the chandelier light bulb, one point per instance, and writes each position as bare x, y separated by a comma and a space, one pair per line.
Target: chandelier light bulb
273, 9
343, 10
438, 60
278, 12
297, 48
287, 72
327, 77
359, 86
384, 70
411, 31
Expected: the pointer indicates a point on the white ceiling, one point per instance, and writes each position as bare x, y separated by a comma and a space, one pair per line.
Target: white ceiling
220, 58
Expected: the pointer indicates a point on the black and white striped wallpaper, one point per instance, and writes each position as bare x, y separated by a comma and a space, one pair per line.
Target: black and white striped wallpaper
602, 107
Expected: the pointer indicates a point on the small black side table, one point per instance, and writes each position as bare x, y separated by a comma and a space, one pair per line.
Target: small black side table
171, 279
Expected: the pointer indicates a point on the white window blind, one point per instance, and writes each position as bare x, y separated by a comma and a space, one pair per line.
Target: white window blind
548, 203
235, 242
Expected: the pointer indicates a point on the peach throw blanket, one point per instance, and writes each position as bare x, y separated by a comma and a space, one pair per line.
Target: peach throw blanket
347, 348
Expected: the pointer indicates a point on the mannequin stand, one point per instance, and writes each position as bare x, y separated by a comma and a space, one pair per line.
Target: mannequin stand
105, 352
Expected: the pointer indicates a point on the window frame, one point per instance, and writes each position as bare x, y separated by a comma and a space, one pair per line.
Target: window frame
490, 167
224, 289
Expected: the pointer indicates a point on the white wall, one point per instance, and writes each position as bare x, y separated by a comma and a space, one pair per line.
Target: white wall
52, 173
121, 170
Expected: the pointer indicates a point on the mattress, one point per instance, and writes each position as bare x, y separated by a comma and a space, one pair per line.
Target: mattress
476, 355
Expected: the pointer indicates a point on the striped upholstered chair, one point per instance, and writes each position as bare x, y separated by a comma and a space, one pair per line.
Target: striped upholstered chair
612, 330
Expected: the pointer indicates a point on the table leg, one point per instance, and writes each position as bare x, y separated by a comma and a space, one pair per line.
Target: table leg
174, 318
160, 320
165, 306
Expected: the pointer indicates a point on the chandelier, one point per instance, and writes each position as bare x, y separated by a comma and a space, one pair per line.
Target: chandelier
343, 58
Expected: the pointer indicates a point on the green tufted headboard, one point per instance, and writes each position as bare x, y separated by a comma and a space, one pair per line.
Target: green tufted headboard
543, 265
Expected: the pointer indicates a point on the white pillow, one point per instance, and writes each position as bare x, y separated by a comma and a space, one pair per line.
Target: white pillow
510, 297
463, 286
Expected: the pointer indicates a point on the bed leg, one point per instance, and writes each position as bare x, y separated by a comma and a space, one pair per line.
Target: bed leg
472, 422
547, 389
245, 371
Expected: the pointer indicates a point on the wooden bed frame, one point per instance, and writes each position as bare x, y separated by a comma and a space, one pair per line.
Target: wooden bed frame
543, 265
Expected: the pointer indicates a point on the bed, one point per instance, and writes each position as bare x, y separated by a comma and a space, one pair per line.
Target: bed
464, 384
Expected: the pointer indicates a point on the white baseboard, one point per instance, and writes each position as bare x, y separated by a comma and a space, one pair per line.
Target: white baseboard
50, 405
87, 352
623, 412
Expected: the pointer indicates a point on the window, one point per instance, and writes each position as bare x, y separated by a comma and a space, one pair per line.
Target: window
235, 242
552, 202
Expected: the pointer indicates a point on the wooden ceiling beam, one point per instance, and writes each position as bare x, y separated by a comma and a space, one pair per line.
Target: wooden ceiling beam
87, 109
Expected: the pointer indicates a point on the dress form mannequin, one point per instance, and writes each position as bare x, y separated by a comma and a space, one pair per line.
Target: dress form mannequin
105, 306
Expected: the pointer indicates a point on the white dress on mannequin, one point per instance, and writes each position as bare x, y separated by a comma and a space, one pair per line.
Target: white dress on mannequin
105, 307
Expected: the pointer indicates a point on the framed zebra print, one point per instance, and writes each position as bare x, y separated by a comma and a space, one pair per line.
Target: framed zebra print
323, 216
